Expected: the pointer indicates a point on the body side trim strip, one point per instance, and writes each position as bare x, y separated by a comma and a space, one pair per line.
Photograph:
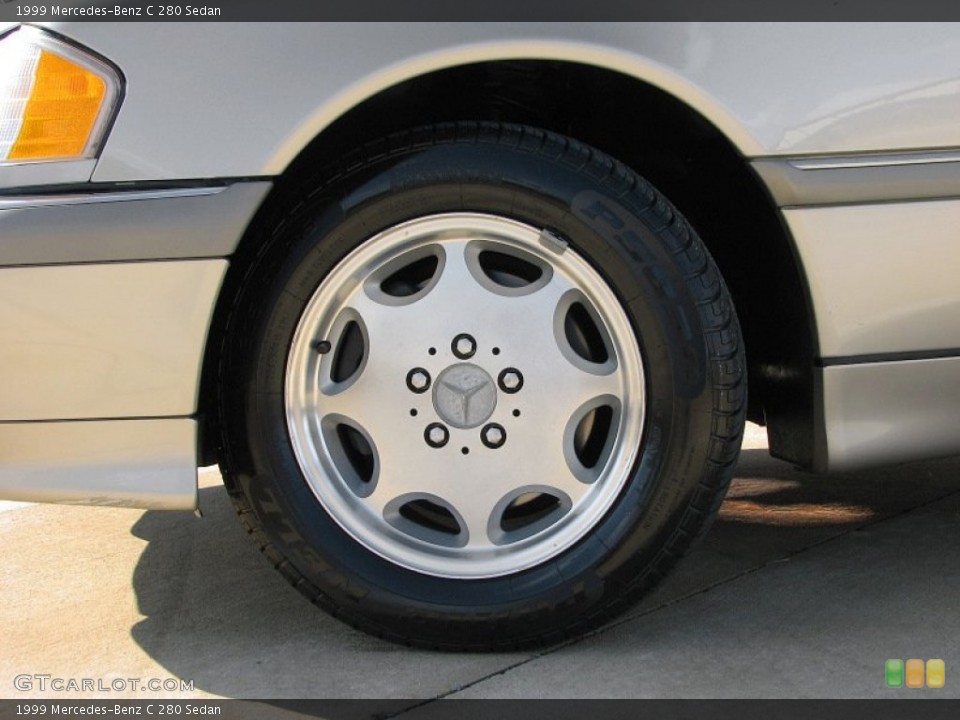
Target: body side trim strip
838, 162
131, 418
96, 188
848, 180
34, 201
888, 357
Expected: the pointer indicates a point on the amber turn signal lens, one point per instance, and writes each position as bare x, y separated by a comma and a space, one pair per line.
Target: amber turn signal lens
61, 111
56, 100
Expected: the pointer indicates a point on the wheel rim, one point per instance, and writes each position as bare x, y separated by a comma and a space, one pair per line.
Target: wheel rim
465, 396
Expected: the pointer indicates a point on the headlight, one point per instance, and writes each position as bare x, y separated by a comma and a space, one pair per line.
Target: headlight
57, 101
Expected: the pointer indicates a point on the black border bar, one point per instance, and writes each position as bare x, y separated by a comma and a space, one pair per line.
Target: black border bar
894, 709
488, 10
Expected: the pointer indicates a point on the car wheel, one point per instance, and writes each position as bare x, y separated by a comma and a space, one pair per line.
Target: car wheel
482, 387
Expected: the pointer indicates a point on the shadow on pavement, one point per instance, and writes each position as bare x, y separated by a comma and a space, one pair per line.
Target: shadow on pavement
218, 614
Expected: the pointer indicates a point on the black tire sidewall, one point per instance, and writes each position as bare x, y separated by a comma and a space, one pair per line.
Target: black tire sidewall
614, 223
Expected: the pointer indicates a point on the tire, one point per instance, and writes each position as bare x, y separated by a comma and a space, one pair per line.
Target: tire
481, 388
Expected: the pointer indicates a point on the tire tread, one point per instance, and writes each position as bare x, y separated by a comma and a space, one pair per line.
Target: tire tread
723, 345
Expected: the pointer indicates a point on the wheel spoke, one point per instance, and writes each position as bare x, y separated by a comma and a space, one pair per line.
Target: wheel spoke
456, 283
476, 514
389, 488
354, 400
577, 387
557, 475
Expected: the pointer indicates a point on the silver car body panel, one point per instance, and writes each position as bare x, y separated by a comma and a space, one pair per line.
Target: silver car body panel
104, 341
129, 225
883, 278
253, 125
46, 173
115, 339
876, 413
126, 463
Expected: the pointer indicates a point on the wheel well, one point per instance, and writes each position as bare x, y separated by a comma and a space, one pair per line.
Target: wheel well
664, 140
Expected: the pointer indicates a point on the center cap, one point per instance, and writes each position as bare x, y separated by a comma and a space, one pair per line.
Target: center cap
464, 395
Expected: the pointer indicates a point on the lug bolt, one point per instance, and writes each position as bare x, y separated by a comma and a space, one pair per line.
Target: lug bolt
510, 380
418, 380
493, 435
436, 435
464, 346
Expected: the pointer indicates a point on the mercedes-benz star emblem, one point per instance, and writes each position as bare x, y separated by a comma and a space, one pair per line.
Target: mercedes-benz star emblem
464, 395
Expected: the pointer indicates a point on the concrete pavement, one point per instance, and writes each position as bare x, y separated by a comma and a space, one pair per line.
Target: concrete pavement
803, 588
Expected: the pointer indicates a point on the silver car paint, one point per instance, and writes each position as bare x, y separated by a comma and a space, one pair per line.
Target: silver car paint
880, 413
884, 278
733, 74
104, 341
153, 225
36, 173
126, 463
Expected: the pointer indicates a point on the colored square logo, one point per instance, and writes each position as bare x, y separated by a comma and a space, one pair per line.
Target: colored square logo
894, 673
914, 674
936, 673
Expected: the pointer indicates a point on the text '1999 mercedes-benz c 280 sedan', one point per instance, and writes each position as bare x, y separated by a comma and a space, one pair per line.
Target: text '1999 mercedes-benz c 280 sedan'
471, 316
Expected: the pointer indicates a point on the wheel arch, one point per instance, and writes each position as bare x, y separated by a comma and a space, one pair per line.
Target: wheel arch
460, 60
656, 123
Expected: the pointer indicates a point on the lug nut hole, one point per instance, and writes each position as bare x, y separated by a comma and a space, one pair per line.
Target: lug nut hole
418, 380
510, 380
493, 435
436, 435
464, 346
